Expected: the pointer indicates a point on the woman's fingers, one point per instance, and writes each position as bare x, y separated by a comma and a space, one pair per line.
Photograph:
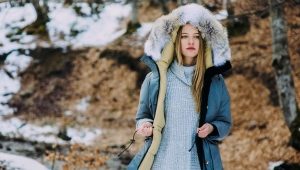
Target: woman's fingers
204, 130
201, 133
145, 131
203, 127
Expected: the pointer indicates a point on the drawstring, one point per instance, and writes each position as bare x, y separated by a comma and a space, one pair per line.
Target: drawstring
131, 142
194, 141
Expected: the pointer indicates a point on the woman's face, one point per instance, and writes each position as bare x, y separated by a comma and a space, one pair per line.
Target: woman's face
189, 42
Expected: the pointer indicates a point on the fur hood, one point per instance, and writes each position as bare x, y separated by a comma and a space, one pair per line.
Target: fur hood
198, 16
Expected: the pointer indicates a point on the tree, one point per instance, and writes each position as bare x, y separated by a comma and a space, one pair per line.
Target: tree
134, 22
164, 7
39, 25
182, 2
41, 11
283, 72
68, 2
134, 18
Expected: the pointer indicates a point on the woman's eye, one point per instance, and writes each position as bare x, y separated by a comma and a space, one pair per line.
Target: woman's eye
194, 37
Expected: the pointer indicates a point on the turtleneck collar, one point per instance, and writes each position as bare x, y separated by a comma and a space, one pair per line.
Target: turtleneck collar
184, 73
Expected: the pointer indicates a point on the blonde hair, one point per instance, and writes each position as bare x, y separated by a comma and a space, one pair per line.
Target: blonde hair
198, 78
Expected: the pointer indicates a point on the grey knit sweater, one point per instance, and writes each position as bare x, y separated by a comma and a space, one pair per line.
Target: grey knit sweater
181, 123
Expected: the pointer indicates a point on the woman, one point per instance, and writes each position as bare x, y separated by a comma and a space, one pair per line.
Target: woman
184, 101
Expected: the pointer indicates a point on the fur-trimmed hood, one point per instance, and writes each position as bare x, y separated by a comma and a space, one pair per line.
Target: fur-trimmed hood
198, 16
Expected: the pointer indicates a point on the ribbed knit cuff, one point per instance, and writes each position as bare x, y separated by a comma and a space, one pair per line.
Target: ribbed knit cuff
141, 121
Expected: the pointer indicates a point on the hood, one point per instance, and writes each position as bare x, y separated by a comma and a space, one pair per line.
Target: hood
198, 16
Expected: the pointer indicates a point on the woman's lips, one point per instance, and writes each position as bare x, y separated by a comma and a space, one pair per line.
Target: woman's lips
190, 48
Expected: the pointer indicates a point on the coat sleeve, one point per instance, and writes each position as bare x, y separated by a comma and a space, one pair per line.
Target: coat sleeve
223, 121
143, 112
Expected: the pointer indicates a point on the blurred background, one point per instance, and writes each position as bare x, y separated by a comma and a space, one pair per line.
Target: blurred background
70, 80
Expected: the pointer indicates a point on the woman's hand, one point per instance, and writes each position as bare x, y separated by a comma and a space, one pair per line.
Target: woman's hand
146, 129
205, 130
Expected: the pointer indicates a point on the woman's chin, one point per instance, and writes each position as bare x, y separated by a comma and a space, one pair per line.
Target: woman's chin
190, 56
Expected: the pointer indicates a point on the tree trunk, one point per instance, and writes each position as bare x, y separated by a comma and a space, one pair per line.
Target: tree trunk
134, 18
164, 7
179, 2
68, 2
283, 72
224, 4
39, 25
199, 2
134, 22
41, 12
183, 2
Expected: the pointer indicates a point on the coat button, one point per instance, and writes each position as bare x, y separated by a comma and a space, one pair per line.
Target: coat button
206, 107
206, 162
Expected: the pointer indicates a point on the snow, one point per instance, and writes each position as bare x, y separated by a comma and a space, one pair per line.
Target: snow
144, 29
65, 27
8, 86
17, 16
11, 19
222, 14
10, 81
61, 22
68, 113
16, 62
109, 27
20, 162
86, 136
83, 104
16, 128
85, 9
272, 165
93, 30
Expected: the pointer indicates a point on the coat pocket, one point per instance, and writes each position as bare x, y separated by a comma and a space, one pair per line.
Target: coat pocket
138, 158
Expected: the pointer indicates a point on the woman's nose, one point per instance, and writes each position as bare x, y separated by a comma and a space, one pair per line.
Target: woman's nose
191, 41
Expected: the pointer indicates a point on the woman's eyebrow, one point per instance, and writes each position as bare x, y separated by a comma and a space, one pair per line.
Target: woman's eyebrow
193, 34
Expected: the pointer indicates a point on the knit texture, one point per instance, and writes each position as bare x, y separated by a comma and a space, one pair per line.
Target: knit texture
179, 132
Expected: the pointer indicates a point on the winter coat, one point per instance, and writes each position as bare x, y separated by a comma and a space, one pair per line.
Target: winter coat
215, 106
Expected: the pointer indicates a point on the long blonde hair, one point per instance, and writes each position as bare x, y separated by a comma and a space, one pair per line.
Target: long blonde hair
198, 78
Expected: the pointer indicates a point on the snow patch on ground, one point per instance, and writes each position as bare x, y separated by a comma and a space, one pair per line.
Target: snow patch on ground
65, 28
11, 20
83, 104
10, 161
16, 128
10, 81
90, 31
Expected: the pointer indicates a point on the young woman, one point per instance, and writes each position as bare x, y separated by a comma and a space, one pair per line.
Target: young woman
184, 101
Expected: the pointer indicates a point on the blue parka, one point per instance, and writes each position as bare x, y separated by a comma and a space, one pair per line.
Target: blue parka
217, 113
215, 106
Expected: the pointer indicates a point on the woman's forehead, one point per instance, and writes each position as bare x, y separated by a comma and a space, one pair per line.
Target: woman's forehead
188, 28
